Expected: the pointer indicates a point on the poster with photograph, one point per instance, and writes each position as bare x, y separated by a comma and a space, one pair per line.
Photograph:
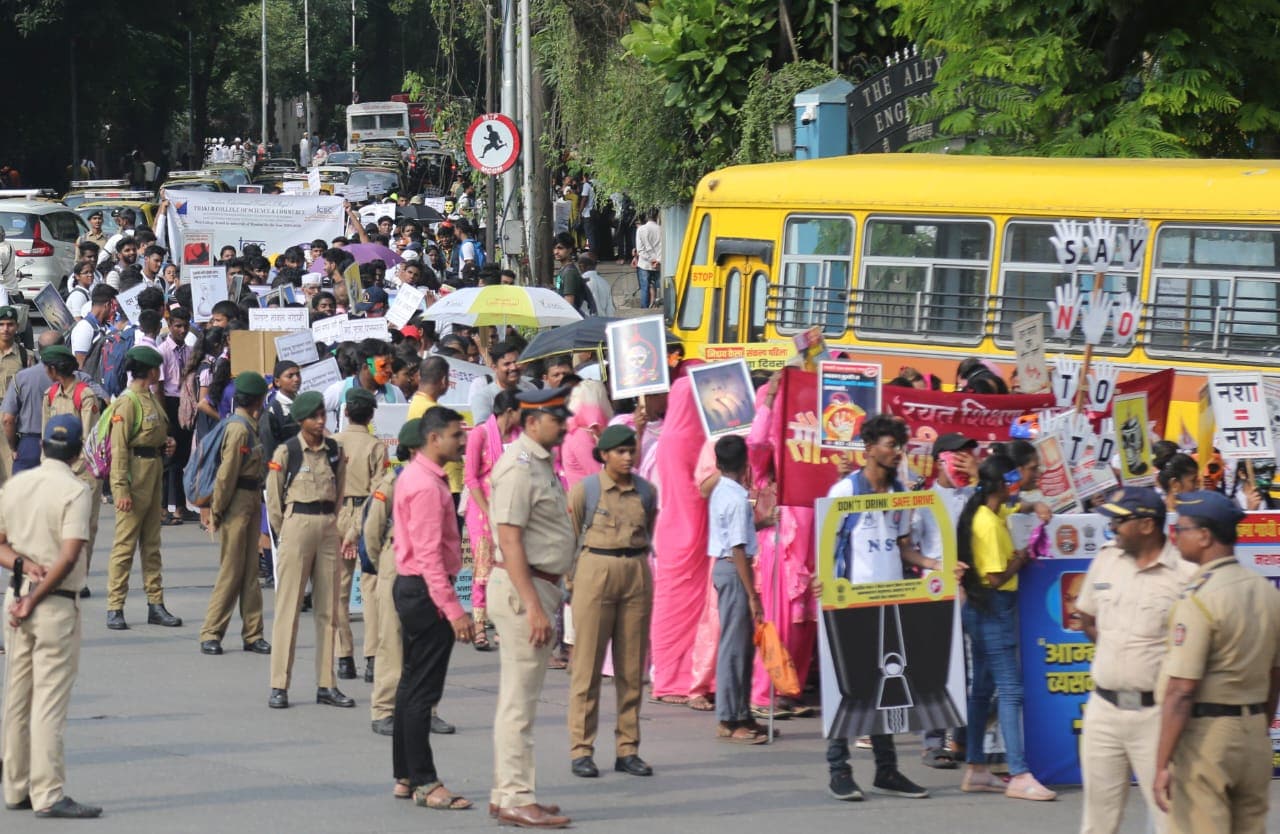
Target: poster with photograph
637, 357
208, 287
848, 393
1133, 439
197, 248
54, 310
724, 396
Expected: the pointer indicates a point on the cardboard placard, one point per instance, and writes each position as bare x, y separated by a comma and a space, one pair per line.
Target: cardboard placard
297, 347
330, 330
208, 287
285, 319
320, 375
637, 357
408, 301
1028, 344
848, 393
1240, 411
253, 350
724, 397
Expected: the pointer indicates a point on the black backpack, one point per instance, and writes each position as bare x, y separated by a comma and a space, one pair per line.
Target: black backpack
294, 462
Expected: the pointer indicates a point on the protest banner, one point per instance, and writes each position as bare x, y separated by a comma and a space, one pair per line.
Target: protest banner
208, 287
279, 318
1258, 547
1055, 483
759, 356
804, 471
1133, 440
297, 347
272, 221
197, 248
637, 357
388, 419
253, 350
1271, 390
330, 330
128, 301
408, 300
890, 651
54, 310
1240, 411
983, 417
1028, 344
320, 375
358, 329
461, 376
724, 396
848, 393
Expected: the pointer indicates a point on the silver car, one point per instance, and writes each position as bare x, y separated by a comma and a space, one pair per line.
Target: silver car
43, 235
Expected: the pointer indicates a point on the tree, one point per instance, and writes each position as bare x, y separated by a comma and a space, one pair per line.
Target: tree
1101, 77
770, 101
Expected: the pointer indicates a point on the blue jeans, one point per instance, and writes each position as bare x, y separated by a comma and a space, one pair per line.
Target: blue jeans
648, 279
993, 638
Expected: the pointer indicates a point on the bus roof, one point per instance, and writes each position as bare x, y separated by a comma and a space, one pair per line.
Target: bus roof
1200, 189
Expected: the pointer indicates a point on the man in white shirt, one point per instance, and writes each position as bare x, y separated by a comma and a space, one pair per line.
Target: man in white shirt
95, 324
126, 251
648, 255
503, 359
374, 375
586, 208
601, 291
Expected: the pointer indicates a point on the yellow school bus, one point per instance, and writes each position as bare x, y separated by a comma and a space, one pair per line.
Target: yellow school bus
923, 260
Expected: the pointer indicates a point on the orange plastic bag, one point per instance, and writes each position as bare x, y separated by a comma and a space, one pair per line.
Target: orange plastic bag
777, 660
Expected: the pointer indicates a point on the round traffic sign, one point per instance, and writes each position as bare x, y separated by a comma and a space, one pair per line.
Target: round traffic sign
493, 143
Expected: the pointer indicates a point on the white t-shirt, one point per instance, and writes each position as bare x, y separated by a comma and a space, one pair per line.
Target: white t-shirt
467, 252
873, 542
588, 198
82, 336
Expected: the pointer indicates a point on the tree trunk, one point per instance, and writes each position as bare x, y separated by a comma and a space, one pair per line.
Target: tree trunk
539, 247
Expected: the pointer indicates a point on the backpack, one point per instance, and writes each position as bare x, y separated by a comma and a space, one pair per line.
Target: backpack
97, 446
92, 364
844, 558
114, 347
77, 395
294, 461
201, 472
367, 563
591, 494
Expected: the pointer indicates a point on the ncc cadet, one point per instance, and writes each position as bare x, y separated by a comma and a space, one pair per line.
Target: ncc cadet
13, 358
139, 440
535, 542
366, 460
1124, 607
236, 512
1213, 763
44, 524
304, 482
612, 600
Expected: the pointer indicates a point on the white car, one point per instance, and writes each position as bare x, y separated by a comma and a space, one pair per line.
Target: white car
43, 235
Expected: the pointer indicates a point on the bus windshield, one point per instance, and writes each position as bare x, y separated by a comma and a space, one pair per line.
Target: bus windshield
377, 120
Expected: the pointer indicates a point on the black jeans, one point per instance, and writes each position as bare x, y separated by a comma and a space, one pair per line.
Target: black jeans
882, 747
427, 638
173, 466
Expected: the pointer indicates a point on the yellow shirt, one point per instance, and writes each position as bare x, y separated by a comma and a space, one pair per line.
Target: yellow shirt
419, 404
992, 545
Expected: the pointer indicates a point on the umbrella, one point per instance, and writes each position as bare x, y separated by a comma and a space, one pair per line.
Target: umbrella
365, 252
424, 213
580, 335
503, 304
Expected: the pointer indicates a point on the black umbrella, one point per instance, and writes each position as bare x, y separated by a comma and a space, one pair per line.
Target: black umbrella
423, 212
580, 335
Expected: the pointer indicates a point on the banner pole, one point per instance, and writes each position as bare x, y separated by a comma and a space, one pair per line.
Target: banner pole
777, 571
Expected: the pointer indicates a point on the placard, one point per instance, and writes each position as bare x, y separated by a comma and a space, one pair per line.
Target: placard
1028, 344
281, 296
128, 301
297, 347
723, 394
197, 248
1133, 440
1258, 547
1240, 411
1055, 483
208, 287
253, 350
320, 375
355, 195
408, 301
54, 310
637, 357
848, 393
388, 419
330, 330
358, 329
279, 318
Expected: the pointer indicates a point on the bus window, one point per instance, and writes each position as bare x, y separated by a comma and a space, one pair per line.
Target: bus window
365, 122
925, 276
732, 307
817, 259
1215, 289
1030, 274
759, 302
695, 297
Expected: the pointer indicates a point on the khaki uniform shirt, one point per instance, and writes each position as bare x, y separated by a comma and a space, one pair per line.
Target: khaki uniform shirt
42, 507
527, 494
99, 238
10, 364
378, 536
1132, 611
620, 522
64, 402
366, 460
152, 433
242, 459
315, 481
1225, 633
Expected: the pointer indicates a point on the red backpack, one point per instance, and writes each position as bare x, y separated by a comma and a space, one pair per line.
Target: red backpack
77, 396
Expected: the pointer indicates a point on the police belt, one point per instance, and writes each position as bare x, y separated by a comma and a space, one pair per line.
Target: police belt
1225, 710
553, 578
312, 507
60, 592
146, 451
248, 483
618, 551
1128, 699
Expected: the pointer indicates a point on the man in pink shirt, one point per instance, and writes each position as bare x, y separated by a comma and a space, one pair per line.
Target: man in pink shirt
428, 558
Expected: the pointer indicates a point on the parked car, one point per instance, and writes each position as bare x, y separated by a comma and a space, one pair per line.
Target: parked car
43, 235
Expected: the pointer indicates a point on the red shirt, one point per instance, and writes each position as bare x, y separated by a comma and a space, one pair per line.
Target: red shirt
427, 541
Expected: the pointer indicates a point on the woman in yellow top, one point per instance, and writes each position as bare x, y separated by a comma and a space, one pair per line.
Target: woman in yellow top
990, 621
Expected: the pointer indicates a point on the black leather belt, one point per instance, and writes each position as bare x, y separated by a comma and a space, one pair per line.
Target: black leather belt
249, 484
60, 592
619, 551
313, 507
1225, 710
353, 499
146, 451
1127, 698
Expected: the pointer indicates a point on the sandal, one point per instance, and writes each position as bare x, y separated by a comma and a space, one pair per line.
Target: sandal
760, 729
423, 798
739, 735
670, 700
170, 520
701, 703
938, 757
481, 643
981, 782
780, 713
401, 789
1025, 786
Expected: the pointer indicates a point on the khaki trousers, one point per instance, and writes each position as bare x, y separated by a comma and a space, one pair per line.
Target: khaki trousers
95, 512
612, 601
369, 583
390, 652
138, 529
343, 644
523, 669
1117, 742
308, 550
1221, 776
43, 657
237, 571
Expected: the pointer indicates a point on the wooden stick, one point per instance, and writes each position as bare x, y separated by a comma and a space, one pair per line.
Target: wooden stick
1084, 378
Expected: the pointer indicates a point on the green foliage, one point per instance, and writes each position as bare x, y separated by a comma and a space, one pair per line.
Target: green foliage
1100, 77
770, 101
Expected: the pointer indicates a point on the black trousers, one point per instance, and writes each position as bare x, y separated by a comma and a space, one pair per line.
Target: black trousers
427, 638
173, 466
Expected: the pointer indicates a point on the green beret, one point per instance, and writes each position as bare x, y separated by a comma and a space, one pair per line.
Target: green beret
306, 405
411, 433
359, 396
251, 383
615, 436
144, 355
55, 352
7, 313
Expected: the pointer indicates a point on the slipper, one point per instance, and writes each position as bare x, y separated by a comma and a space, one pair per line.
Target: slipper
756, 727
780, 713
701, 703
557, 663
739, 735
671, 700
422, 797
803, 711
1029, 788
939, 758
985, 782
401, 789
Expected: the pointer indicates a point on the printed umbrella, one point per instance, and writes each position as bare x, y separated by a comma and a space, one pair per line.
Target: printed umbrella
502, 305
365, 252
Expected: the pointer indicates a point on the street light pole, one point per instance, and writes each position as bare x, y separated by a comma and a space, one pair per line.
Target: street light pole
353, 51
265, 132
306, 52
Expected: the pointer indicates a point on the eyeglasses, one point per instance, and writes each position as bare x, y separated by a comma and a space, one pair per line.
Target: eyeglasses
1177, 530
1115, 523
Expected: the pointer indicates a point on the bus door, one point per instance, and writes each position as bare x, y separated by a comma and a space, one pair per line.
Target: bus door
741, 290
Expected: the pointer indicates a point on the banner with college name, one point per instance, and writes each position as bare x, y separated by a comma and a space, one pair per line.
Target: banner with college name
272, 221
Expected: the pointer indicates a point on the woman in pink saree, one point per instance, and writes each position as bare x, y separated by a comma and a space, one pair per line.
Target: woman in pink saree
485, 444
591, 413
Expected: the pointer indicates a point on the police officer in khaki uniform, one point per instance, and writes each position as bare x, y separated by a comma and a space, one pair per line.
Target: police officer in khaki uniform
44, 524
1213, 763
1124, 608
535, 548
612, 601
366, 460
139, 441
236, 512
70, 395
13, 358
302, 508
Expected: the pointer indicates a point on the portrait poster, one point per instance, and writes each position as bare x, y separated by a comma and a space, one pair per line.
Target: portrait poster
724, 396
1133, 439
848, 393
637, 357
197, 248
54, 310
890, 652
208, 287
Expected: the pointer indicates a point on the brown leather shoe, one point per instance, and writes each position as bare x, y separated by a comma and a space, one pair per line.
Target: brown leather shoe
550, 809
531, 816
